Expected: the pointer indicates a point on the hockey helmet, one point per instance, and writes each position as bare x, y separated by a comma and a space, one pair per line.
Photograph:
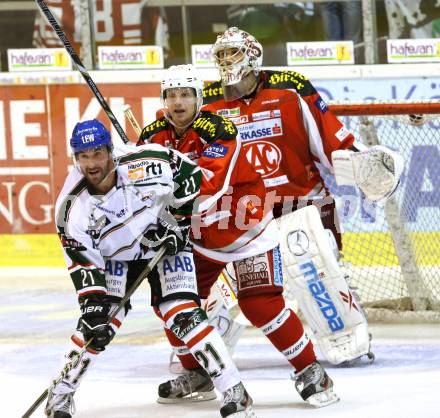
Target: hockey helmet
183, 76
237, 54
88, 135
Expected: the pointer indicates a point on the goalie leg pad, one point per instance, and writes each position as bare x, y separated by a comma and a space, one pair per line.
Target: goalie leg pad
228, 329
323, 294
223, 294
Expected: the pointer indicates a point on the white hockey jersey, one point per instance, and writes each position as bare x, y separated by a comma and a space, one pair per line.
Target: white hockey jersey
93, 229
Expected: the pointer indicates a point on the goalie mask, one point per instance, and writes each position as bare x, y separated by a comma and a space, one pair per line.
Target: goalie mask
182, 94
238, 56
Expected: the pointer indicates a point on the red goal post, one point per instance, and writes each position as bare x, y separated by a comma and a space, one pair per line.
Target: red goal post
391, 253
385, 107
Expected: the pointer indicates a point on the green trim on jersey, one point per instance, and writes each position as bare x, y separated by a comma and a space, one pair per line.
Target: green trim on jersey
185, 173
85, 277
65, 206
145, 154
189, 179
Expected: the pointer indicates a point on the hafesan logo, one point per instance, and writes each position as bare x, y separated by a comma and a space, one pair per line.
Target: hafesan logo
317, 53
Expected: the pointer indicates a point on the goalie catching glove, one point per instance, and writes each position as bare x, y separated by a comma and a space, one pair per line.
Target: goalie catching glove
172, 234
94, 316
375, 171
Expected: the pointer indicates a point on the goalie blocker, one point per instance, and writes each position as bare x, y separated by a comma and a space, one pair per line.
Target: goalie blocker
318, 283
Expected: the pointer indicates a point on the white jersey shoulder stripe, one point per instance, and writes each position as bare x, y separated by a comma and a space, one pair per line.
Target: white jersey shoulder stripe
206, 204
315, 139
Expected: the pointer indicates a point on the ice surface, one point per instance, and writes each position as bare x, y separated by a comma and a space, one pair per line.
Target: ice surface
38, 314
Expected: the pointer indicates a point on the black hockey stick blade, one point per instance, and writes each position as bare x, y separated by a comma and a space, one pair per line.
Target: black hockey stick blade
147, 270
80, 66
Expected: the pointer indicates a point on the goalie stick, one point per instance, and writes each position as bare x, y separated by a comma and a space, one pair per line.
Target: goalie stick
69, 366
80, 66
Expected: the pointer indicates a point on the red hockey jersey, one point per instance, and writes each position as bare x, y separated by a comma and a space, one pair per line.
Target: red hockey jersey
285, 128
232, 220
117, 22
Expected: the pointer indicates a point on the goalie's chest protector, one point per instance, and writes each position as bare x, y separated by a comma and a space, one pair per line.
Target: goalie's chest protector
275, 141
281, 139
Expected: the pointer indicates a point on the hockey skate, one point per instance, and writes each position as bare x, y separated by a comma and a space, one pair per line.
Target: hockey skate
236, 402
193, 386
60, 405
315, 386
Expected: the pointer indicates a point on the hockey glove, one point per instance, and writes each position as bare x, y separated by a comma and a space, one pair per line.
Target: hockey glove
94, 317
174, 236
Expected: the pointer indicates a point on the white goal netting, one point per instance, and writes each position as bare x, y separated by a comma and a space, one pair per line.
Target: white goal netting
392, 253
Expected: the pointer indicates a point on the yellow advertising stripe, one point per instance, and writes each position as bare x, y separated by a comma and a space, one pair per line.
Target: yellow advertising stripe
360, 249
24, 250
377, 248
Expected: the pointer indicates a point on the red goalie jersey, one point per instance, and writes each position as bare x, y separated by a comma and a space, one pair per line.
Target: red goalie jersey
233, 217
285, 128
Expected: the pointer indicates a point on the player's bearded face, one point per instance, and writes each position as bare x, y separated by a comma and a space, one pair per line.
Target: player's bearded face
95, 164
181, 106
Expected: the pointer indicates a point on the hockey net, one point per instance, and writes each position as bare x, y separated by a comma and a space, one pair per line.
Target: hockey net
391, 254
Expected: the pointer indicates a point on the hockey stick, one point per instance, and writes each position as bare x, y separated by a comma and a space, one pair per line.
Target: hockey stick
132, 119
69, 366
80, 66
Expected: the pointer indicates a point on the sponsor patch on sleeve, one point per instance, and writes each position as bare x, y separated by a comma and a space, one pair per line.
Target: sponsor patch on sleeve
320, 104
342, 133
228, 113
215, 151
